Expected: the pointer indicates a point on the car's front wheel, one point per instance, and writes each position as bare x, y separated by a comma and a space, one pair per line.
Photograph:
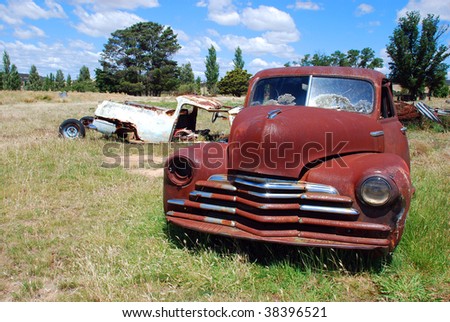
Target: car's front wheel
72, 129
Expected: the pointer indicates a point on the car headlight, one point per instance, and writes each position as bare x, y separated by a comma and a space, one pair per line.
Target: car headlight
376, 191
180, 171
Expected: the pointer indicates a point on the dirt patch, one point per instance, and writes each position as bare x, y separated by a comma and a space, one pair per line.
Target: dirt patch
149, 166
358, 288
150, 173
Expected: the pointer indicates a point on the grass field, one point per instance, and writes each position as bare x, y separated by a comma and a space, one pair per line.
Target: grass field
72, 230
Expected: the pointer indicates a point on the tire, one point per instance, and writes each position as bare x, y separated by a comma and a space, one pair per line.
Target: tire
86, 120
72, 129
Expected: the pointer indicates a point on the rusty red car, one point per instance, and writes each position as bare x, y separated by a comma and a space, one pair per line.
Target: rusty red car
317, 157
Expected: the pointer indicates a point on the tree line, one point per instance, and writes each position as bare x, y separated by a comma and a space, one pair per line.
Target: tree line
353, 58
10, 79
138, 61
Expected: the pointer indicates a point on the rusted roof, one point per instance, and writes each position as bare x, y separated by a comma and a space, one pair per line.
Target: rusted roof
322, 70
207, 103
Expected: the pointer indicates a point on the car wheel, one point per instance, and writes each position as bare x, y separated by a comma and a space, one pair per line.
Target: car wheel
72, 129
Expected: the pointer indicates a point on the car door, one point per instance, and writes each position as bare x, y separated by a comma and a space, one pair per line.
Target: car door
394, 132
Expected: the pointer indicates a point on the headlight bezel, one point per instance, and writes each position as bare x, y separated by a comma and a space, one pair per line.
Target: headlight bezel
377, 190
180, 170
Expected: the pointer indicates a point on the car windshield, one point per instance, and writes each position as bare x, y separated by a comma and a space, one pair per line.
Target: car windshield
346, 94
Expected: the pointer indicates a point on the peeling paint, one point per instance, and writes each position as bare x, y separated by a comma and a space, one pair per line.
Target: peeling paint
155, 124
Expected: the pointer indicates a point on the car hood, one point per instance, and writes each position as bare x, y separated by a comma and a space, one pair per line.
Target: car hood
283, 140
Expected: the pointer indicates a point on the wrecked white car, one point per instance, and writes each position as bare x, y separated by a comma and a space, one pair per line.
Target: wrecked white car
146, 123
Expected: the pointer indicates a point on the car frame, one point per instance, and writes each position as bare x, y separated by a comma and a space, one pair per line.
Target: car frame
146, 123
294, 172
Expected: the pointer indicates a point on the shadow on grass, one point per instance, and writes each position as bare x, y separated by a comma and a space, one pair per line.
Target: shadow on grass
267, 254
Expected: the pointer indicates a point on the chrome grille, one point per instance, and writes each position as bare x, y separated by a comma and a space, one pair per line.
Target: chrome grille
272, 207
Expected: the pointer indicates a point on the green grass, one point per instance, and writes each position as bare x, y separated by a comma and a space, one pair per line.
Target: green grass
71, 230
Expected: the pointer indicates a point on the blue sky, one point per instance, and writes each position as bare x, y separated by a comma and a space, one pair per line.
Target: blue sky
66, 35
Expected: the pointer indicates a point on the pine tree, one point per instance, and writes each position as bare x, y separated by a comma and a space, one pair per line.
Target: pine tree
6, 63
198, 85
84, 75
69, 81
186, 74
238, 61
187, 80
212, 71
5, 70
84, 83
34, 80
10, 76
139, 59
235, 82
49, 82
59, 80
14, 82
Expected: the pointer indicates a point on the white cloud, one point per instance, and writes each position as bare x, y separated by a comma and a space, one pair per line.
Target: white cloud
204, 43
101, 23
306, 5
225, 18
259, 63
197, 64
190, 50
437, 7
108, 5
213, 32
194, 53
16, 11
196, 46
267, 18
202, 4
31, 32
48, 58
208, 42
280, 30
281, 37
257, 46
222, 12
263, 18
181, 35
101, 17
364, 9
8, 17
230, 18
80, 44
56, 10
386, 59
278, 26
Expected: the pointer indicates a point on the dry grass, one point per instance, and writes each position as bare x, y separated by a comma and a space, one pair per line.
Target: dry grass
71, 230
16, 97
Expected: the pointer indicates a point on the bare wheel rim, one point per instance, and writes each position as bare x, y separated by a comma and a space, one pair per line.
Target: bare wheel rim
71, 131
